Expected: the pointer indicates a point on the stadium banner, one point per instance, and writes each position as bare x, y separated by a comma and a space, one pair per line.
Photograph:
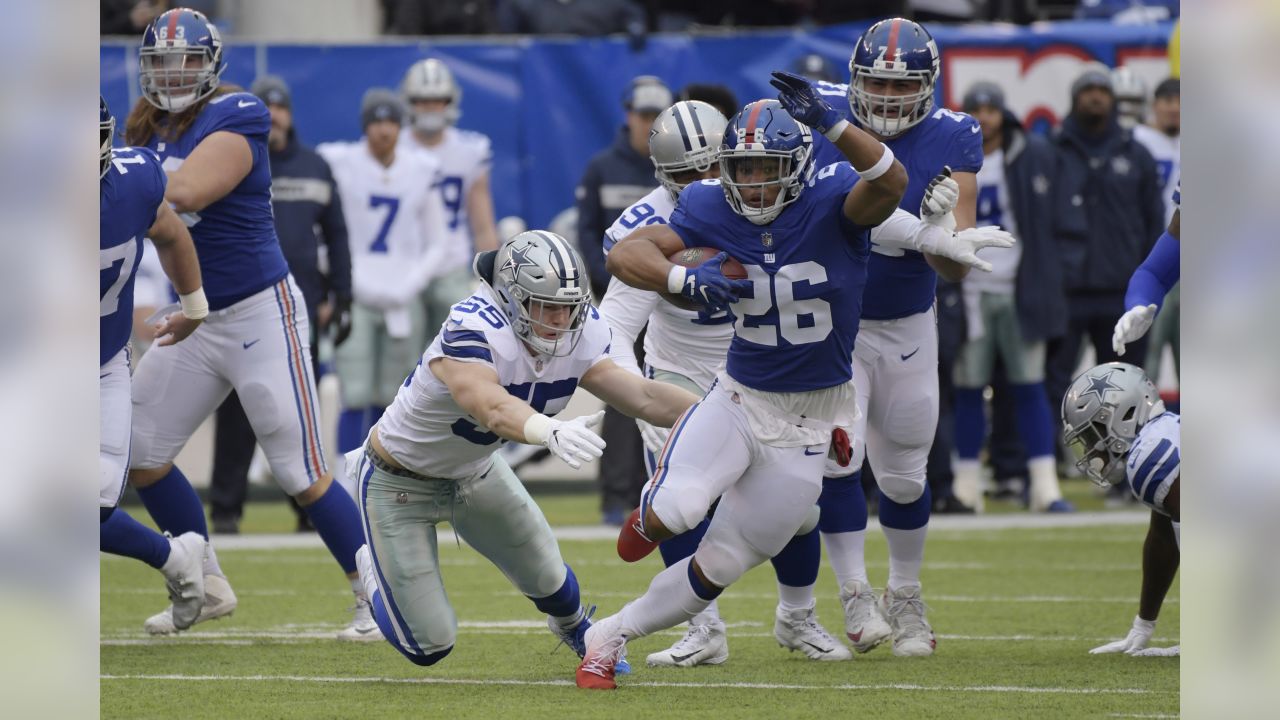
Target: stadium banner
549, 104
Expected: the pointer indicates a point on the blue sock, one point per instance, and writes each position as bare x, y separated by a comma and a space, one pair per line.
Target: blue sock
1035, 420
388, 631
970, 421
702, 591
797, 565
843, 504
351, 429
174, 505
337, 520
911, 516
683, 545
122, 535
564, 602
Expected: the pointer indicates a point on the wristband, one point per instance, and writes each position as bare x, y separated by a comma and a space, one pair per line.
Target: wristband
880, 168
675, 279
195, 306
835, 131
537, 429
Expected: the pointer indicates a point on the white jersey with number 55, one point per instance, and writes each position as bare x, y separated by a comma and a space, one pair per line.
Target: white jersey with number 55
692, 344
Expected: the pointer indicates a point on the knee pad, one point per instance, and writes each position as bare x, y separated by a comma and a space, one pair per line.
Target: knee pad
810, 522
721, 565
679, 508
900, 488
261, 407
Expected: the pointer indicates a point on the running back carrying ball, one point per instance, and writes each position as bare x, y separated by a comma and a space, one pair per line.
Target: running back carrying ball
695, 256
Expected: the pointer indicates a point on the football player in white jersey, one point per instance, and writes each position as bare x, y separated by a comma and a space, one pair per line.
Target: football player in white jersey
396, 229
1117, 428
508, 359
465, 156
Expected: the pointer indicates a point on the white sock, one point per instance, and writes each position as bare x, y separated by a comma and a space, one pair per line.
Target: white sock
709, 616
1044, 481
211, 566
906, 555
967, 485
357, 587
569, 621
847, 553
669, 601
795, 598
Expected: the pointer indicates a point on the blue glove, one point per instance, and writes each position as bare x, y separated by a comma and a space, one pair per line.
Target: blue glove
803, 102
707, 285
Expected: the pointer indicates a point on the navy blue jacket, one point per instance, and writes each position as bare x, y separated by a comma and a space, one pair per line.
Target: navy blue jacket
1029, 163
615, 178
1108, 212
304, 197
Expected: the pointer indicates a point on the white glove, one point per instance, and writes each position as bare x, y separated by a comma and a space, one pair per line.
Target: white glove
963, 246
1174, 651
654, 437
572, 441
1133, 325
1137, 639
940, 199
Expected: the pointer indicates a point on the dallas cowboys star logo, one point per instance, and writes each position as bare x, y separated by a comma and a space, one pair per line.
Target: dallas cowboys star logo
1100, 385
518, 258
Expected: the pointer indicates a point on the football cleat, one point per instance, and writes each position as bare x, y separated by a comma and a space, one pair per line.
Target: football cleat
219, 601
799, 630
604, 647
863, 621
362, 628
912, 635
184, 578
633, 544
701, 645
575, 636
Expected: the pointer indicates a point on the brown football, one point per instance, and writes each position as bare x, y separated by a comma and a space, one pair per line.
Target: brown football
693, 257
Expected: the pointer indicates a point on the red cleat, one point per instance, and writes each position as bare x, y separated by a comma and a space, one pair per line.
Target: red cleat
633, 544
604, 648
595, 679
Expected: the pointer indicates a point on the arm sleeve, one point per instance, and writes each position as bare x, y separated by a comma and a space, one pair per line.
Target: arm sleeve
1156, 275
627, 310
905, 231
333, 225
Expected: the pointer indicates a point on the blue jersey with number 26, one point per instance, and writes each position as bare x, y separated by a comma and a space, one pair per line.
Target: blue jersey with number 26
130, 194
900, 282
795, 330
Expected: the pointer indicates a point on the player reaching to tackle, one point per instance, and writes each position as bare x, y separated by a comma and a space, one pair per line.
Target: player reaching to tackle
1116, 426
507, 359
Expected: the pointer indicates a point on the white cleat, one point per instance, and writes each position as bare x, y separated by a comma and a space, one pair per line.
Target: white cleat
363, 627
863, 622
799, 630
184, 578
912, 635
219, 601
701, 645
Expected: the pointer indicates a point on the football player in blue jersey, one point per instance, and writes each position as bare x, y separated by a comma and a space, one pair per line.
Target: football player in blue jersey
131, 205
759, 438
212, 141
893, 74
1153, 279
1116, 426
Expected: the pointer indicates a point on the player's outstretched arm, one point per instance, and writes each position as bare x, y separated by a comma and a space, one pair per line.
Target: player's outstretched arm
883, 178
474, 386
654, 402
177, 254
213, 169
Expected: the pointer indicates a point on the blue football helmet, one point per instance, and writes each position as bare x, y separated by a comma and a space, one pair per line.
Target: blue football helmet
180, 61
893, 50
763, 148
106, 131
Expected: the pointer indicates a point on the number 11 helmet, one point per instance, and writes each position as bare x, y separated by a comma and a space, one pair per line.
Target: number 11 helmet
543, 288
1102, 413
893, 49
685, 137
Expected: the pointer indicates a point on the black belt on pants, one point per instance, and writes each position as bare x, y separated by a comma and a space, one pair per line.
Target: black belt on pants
387, 467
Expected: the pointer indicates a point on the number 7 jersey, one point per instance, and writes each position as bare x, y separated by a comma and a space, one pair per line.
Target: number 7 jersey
425, 429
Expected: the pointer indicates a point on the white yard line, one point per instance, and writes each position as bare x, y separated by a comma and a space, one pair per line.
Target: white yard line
627, 683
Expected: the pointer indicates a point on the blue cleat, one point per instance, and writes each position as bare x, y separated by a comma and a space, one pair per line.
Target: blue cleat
1060, 506
576, 638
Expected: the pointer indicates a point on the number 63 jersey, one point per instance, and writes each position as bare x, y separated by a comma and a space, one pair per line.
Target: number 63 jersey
795, 329
425, 429
131, 193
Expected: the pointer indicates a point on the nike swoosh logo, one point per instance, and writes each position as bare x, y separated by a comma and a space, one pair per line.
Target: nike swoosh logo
975, 129
246, 103
102, 376
910, 354
367, 631
824, 651
251, 344
682, 658
806, 452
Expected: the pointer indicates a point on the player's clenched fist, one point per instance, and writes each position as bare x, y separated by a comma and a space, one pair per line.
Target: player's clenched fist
706, 284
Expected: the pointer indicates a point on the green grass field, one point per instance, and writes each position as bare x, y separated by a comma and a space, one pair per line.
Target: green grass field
1016, 611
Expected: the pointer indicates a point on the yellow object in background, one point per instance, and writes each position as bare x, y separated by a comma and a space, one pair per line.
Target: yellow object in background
1175, 50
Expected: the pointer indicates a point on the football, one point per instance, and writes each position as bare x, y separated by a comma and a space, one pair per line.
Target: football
693, 257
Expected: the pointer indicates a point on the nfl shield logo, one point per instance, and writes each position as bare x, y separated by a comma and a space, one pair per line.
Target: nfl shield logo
766, 239
538, 365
